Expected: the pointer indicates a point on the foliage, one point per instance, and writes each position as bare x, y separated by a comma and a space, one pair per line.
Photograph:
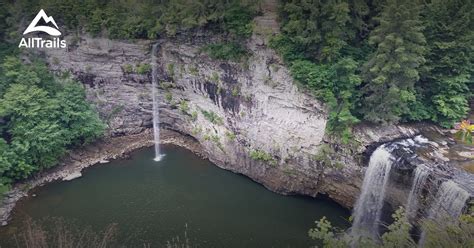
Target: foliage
170, 68
447, 233
437, 234
226, 51
230, 135
59, 233
335, 84
215, 77
315, 29
183, 106
143, 68
235, 92
146, 19
194, 115
127, 68
394, 68
465, 131
445, 84
212, 117
40, 118
401, 60
168, 97
237, 20
326, 156
260, 155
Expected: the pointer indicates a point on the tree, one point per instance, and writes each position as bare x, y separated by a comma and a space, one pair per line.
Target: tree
334, 84
40, 118
394, 68
445, 84
317, 29
437, 234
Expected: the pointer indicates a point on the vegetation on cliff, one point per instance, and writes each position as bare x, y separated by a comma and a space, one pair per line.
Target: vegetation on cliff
381, 61
137, 19
41, 116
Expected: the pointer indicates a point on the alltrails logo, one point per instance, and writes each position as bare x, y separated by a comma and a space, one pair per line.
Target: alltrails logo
38, 42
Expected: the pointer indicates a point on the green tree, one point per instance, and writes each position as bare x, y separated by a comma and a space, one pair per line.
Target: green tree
450, 36
394, 68
315, 30
335, 84
40, 118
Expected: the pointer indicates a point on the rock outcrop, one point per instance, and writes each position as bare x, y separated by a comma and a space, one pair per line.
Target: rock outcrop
250, 117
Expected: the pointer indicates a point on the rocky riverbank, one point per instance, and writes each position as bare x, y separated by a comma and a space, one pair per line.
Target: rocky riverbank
99, 152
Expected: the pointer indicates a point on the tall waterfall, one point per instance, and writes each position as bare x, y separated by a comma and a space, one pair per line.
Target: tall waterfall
368, 207
156, 110
419, 180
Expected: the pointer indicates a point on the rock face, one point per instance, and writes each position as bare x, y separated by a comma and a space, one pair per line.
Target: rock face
250, 117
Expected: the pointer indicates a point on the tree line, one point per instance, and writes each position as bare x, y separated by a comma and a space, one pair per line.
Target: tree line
382, 61
41, 116
136, 19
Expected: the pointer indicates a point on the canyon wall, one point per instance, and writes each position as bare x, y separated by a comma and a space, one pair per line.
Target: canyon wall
249, 116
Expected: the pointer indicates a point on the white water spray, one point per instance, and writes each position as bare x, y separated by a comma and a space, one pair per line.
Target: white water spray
419, 180
448, 205
156, 110
368, 208
450, 201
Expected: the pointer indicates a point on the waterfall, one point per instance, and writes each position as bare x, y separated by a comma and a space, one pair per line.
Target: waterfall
368, 207
156, 110
450, 201
419, 180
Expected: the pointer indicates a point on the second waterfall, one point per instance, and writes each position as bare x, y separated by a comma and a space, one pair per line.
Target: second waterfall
156, 110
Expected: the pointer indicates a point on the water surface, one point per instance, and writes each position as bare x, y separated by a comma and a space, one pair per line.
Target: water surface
153, 202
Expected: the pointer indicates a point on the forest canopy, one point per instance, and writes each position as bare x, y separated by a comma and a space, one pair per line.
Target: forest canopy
139, 19
41, 116
382, 61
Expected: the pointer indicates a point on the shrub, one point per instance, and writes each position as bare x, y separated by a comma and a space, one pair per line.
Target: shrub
171, 70
194, 71
168, 97
447, 234
326, 156
59, 233
226, 51
231, 136
183, 106
127, 68
235, 92
215, 77
212, 117
143, 68
260, 155
196, 130
194, 115
238, 21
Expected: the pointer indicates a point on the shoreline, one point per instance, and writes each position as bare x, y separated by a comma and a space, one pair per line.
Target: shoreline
100, 152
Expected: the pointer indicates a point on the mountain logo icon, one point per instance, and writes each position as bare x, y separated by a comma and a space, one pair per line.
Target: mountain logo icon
47, 29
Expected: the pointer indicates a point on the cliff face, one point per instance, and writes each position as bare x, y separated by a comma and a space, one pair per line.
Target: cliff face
250, 117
